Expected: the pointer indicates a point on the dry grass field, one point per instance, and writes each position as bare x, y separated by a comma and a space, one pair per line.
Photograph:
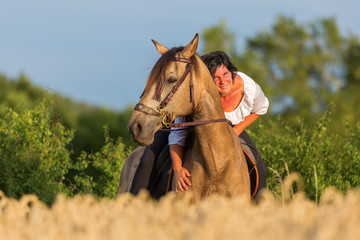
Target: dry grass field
336, 216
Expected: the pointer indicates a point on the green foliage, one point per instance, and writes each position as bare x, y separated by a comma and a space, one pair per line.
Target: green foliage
322, 158
89, 126
18, 95
35, 158
351, 59
218, 38
33, 153
99, 172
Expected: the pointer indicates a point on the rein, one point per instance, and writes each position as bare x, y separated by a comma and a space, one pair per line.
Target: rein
192, 124
164, 115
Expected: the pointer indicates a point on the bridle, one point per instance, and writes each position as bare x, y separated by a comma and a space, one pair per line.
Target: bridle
161, 112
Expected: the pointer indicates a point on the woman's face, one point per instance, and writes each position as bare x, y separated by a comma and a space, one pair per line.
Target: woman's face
223, 80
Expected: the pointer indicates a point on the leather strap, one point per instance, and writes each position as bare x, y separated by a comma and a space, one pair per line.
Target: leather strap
176, 87
174, 126
145, 109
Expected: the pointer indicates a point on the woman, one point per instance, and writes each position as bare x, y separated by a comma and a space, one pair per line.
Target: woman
243, 102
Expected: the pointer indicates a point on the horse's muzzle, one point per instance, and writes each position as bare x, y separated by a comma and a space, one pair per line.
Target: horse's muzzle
142, 129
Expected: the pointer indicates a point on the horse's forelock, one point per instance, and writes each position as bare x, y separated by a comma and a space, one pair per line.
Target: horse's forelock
159, 68
158, 71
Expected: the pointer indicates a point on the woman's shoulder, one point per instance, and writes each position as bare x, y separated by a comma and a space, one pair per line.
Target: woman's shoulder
249, 85
248, 81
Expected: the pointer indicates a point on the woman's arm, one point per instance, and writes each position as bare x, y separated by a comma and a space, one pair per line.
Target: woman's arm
238, 128
182, 175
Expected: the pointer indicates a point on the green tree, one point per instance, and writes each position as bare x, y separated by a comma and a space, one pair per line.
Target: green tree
322, 157
351, 59
218, 37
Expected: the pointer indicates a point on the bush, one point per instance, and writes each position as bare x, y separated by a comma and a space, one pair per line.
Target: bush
33, 153
35, 157
322, 157
99, 173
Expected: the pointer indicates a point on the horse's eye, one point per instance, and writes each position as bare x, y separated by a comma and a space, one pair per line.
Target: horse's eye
171, 80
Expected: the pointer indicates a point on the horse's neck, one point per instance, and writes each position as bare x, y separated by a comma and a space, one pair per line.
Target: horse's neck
214, 141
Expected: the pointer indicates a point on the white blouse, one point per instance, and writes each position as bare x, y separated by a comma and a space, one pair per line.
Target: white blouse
253, 101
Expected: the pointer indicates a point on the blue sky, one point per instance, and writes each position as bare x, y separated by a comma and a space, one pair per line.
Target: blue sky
100, 52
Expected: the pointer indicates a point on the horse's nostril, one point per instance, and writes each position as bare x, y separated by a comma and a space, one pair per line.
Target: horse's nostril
136, 129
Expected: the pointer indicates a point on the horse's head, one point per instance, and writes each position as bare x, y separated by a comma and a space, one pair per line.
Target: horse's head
168, 92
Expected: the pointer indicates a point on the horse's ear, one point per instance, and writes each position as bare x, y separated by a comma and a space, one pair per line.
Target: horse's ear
160, 48
190, 49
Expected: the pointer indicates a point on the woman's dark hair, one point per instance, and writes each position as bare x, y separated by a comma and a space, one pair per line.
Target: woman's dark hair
215, 59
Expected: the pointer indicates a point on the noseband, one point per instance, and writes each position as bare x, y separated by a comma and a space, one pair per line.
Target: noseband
164, 115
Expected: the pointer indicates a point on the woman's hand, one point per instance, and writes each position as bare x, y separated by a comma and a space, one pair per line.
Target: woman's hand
182, 179
182, 175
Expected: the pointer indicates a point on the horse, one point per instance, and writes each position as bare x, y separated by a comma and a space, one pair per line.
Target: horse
180, 85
